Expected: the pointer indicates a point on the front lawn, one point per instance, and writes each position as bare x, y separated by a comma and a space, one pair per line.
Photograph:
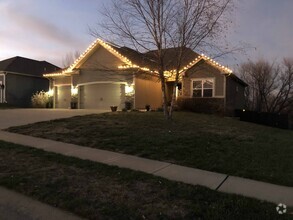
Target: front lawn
6, 106
97, 191
208, 142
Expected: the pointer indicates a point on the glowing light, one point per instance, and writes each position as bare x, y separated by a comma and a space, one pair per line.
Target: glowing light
129, 64
129, 89
50, 93
74, 91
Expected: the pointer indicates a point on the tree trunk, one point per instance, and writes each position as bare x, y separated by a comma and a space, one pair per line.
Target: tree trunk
173, 101
165, 103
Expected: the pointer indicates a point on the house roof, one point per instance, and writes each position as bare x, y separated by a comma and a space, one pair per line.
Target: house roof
237, 79
170, 57
136, 57
143, 61
27, 66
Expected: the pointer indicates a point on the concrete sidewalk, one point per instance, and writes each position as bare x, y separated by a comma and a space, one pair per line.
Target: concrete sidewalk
216, 181
14, 206
17, 117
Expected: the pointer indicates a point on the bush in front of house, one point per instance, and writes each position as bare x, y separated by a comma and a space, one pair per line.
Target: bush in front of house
40, 99
201, 105
128, 105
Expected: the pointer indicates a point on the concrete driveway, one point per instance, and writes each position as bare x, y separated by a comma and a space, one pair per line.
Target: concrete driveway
15, 117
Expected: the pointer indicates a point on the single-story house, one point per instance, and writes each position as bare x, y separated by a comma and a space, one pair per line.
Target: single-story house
108, 75
20, 78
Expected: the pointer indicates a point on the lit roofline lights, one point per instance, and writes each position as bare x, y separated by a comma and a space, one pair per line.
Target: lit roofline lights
129, 64
226, 69
90, 48
192, 63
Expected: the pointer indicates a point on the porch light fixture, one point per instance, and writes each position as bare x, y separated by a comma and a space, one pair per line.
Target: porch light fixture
50, 93
129, 89
74, 91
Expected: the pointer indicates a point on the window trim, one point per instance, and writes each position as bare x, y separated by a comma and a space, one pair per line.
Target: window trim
201, 79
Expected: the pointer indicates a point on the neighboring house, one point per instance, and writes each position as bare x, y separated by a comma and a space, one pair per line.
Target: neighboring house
20, 78
106, 75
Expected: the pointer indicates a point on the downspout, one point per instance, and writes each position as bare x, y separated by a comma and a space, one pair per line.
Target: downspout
52, 88
79, 97
225, 92
4, 90
55, 96
134, 91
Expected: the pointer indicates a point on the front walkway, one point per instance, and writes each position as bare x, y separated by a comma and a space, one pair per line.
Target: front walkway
216, 181
17, 117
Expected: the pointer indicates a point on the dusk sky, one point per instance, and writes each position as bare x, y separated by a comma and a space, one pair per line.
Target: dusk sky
49, 29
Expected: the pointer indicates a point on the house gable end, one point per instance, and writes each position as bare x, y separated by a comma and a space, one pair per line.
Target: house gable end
204, 70
101, 59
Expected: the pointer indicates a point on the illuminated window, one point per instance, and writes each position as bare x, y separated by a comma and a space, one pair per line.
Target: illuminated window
202, 87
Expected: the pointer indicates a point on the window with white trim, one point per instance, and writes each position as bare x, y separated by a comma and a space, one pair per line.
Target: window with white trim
202, 87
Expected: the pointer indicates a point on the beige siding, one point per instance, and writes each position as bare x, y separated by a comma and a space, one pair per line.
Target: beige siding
101, 59
62, 81
148, 91
99, 80
62, 96
101, 66
204, 70
88, 76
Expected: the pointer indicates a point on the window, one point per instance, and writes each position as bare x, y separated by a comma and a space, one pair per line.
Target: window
203, 88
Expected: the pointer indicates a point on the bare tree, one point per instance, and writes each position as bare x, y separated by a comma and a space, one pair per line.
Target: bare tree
270, 85
69, 58
155, 25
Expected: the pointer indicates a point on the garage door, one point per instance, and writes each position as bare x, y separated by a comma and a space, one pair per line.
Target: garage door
101, 96
63, 96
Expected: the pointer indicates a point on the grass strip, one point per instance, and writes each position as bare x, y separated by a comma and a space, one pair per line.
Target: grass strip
97, 191
206, 142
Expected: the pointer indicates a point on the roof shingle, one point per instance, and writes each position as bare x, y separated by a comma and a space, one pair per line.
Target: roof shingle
27, 66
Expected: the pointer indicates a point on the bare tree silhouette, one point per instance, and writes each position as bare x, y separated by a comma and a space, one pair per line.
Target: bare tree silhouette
154, 26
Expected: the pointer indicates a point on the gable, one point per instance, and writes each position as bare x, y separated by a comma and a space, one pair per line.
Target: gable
101, 59
104, 56
204, 70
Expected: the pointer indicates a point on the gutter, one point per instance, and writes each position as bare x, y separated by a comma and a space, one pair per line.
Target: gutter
225, 92
3, 96
23, 74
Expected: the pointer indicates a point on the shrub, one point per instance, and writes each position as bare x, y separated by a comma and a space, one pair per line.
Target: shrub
128, 105
40, 99
160, 109
201, 105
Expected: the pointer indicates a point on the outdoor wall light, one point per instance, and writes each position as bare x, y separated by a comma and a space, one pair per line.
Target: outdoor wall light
50, 92
129, 89
74, 90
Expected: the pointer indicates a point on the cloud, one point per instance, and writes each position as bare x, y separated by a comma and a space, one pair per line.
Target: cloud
266, 26
36, 26
28, 30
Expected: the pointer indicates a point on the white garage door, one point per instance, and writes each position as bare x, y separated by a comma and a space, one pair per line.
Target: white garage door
63, 96
101, 96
